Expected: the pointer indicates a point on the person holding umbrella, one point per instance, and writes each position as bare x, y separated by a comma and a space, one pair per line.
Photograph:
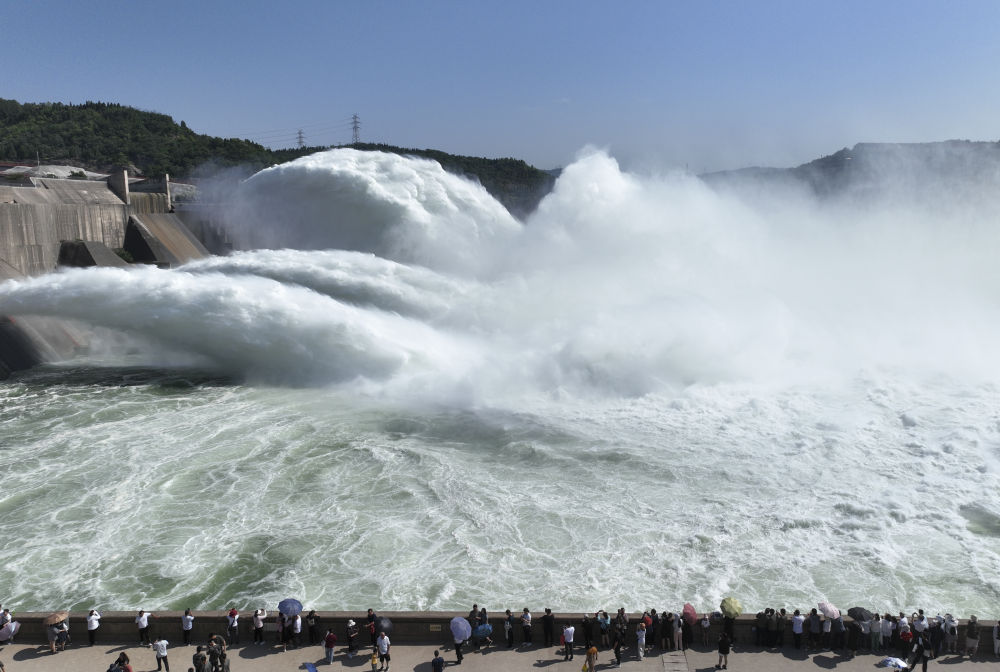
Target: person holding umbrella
52, 629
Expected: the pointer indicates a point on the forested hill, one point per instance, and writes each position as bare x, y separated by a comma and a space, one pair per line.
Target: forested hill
99, 136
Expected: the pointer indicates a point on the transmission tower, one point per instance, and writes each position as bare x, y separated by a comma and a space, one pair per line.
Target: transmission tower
356, 127
302, 139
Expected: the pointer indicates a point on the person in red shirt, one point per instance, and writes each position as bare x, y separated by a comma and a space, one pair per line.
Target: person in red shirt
330, 641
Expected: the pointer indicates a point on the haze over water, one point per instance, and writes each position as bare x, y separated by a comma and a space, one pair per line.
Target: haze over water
399, 396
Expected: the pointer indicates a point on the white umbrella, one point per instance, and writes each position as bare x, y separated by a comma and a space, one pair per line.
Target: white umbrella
8, 631
829, 610
461, 629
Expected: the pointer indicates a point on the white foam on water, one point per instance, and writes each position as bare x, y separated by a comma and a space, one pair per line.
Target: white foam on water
648, 393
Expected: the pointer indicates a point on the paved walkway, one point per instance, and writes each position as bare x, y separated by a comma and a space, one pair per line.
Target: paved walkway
416, 658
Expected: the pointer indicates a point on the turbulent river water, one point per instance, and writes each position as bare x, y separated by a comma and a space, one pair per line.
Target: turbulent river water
398, 396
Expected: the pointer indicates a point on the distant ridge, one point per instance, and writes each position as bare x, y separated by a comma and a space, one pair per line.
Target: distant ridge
869, 168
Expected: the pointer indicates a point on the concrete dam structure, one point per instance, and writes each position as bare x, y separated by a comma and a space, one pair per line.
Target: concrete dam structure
46, 223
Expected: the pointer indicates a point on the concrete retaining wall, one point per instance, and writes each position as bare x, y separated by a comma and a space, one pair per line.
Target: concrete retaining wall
429, 627
30, 234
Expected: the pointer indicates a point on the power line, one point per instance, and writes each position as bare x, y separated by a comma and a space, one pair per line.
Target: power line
356, 128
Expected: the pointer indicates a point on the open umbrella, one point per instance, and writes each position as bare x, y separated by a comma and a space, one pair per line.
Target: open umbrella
8, 631
383, 624
860, 614
829, 610
483, 631
689, 614
56, 617
461, 629
731, 607
290, 607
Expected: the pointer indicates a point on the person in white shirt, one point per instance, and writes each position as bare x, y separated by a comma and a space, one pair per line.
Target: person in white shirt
142, 621
887, 627
160, 648
258, 626
93, 621
383, 644
568, 631
187, 624
797, 620
296, 629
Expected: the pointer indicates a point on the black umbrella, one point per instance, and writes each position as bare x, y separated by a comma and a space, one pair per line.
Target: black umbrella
860, 614
383, 624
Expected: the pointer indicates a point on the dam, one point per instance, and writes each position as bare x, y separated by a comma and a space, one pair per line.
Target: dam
47, 223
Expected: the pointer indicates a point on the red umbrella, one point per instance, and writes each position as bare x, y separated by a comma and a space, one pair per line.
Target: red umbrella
689, 614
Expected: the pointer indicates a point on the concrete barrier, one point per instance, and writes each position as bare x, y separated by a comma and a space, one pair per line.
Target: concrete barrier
427, 627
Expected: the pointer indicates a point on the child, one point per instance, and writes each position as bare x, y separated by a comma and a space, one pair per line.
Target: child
374, 661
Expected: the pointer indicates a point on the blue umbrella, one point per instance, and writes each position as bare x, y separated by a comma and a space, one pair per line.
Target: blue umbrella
290, 607
461, 629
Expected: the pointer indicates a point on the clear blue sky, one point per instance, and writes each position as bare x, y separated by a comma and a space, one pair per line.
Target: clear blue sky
706, 84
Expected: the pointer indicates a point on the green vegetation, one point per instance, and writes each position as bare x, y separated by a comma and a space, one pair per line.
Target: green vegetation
102, 136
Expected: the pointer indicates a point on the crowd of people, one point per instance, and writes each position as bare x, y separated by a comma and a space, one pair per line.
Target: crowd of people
913, 639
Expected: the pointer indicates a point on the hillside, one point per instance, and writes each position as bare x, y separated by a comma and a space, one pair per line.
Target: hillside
99, 136
923, 171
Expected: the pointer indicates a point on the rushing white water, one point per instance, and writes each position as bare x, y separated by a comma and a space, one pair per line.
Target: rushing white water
648, 393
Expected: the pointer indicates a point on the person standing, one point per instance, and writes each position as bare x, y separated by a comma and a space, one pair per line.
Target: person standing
296, 630
142, 622
604, 624
160, 649
640, 639
782, 621
887, 629
618, 647
548, 627
93, 622
437, 663
187, 623
526, 626
508, 629
972, 636
383, 645
678, 632
922, 651
459, 643
724, 646
706, 625
797, 620
996, 639
591, 658
586, 629
330, 644
568, 631
815, 627
371, 626
312, 623
258, 625
233, 626
352, 638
